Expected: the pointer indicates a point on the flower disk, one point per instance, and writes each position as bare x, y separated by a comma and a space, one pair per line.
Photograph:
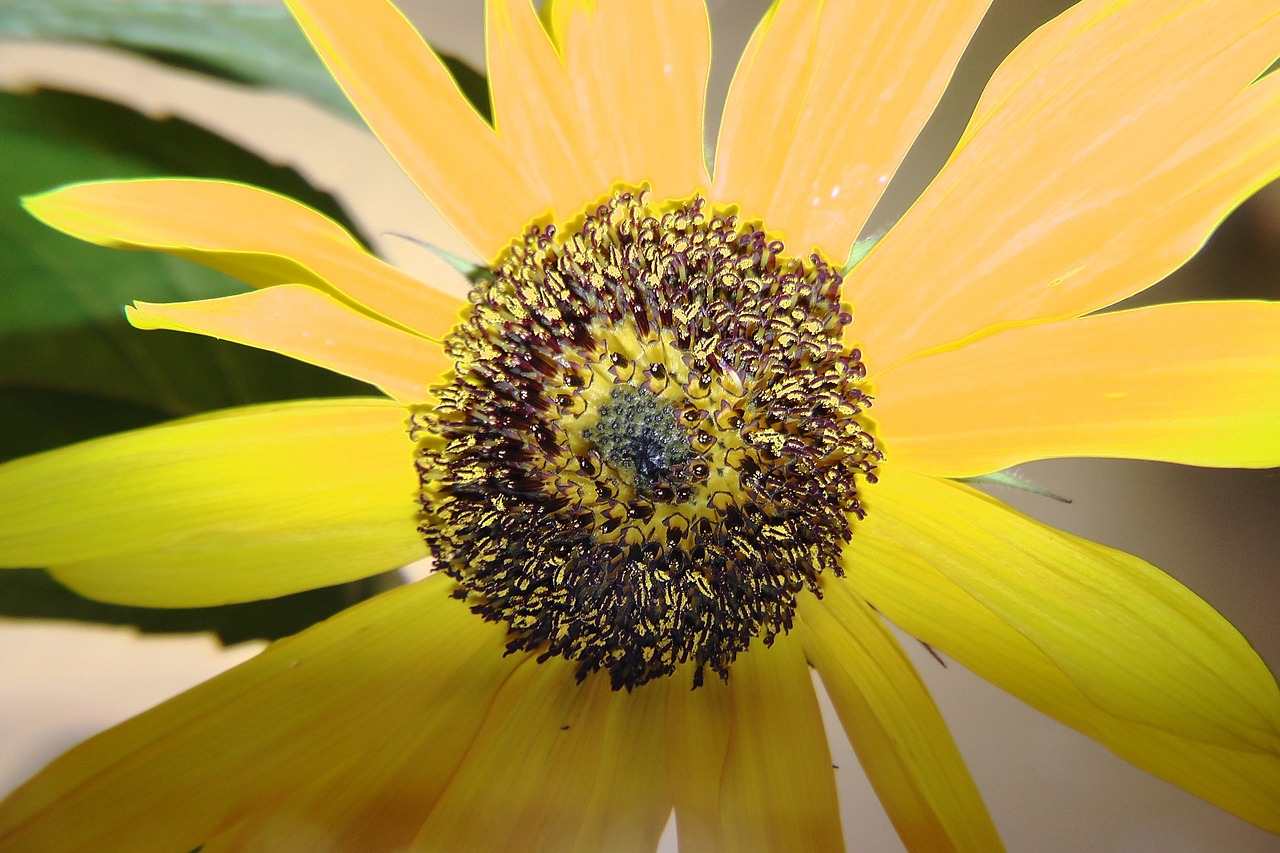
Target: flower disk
650, 441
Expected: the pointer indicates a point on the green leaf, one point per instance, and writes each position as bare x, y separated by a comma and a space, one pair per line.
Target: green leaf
245, 40
33, 594
72, 368
254, 42
70, 365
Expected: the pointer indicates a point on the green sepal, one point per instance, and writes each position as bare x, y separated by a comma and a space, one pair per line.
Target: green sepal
1010, 480
470, 270
858, 251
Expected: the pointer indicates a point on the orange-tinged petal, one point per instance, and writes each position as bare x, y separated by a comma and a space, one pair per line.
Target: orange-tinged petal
244, 504
639, 74
352, 727
411, 102
1104, 152
926, 557
1136, 642
303, 323
534, 111
826, 101
1196, 383
895, 728
257, 236
778, 791
559, 765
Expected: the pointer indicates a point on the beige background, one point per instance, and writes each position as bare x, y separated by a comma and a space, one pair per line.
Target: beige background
1048, 788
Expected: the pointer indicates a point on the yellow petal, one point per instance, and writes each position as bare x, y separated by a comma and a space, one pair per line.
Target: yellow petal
303, 323
559, 765
1095, 638
245, 504
778, 791
414, 106
825, 103
534, 111
347, 732
698, 726
1104, 152
900, 738
1196, 383
628, 64
257, 236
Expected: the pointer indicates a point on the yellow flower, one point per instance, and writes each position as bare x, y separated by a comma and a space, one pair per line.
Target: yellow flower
1104, 151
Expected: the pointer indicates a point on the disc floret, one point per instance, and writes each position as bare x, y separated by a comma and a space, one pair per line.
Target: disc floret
651, 442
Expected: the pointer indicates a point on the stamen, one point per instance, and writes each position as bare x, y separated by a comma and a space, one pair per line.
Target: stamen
651, 442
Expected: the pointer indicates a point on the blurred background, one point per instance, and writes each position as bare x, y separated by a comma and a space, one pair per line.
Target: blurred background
1049, 789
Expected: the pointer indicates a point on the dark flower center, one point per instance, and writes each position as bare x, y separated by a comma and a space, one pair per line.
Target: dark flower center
638, 437
651, 442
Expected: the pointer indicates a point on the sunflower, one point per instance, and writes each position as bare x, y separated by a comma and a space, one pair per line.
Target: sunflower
680, 444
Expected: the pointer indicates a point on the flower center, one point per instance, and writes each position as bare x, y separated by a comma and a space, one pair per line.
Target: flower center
638, 437
651, 441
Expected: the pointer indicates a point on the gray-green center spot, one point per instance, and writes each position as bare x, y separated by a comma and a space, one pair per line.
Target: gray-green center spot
638, 436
